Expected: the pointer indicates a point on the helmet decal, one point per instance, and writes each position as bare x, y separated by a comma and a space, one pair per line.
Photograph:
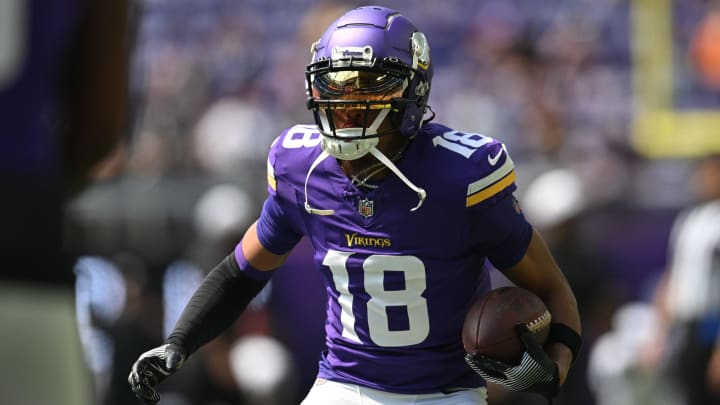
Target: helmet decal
421, 50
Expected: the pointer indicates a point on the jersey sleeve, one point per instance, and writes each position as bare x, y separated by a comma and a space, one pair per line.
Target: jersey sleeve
290, 157
493, 177
279, 228
274, 229
504, 232
498, 222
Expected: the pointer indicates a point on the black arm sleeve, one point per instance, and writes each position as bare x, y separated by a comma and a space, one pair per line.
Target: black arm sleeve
216, 304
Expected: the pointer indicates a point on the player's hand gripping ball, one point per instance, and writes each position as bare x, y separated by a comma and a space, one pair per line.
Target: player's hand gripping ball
490, 327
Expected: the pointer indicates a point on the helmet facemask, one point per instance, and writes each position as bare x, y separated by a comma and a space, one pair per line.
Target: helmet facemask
353, 82
351, 107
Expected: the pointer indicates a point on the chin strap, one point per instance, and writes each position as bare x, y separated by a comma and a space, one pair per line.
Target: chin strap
310, 210
422, 194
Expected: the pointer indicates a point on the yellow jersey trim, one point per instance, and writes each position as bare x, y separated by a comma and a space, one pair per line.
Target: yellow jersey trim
491, 190
271, 176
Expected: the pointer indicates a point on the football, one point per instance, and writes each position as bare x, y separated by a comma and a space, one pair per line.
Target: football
489, 327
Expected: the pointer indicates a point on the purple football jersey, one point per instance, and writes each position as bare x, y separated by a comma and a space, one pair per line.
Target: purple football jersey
399, 282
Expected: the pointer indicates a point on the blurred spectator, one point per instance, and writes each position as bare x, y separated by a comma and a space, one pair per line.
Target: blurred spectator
120, 313
705, 51
614, 372
687, 345
230, 141
63, 109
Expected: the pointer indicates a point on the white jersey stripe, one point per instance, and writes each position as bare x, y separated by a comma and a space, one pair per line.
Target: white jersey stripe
493, 177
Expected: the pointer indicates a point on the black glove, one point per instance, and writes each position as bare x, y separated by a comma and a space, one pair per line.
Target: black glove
536, 373
153, 367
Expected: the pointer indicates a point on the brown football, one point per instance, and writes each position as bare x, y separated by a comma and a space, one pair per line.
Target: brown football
489, 327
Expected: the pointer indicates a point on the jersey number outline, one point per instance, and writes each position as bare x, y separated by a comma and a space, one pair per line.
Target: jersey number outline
462, 143
410, 298
301, 136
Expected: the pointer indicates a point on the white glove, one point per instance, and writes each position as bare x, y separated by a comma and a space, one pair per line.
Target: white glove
536, 373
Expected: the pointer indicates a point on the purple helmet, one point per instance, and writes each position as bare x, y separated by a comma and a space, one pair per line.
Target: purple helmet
370, 50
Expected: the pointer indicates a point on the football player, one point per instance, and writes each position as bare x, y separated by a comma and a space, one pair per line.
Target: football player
402, 214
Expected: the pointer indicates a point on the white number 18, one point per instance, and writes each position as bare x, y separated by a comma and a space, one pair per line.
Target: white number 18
410, 298
460, 142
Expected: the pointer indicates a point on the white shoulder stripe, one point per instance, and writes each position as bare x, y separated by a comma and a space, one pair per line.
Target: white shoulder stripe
498, 174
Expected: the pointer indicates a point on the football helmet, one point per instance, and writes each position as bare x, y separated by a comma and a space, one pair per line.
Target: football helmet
374, 62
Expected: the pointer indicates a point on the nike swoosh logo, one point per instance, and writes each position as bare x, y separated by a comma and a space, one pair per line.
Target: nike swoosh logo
494, 159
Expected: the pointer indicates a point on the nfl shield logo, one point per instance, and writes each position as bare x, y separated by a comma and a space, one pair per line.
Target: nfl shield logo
365, 207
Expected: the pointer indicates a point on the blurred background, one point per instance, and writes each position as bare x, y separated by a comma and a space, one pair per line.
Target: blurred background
607, 107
